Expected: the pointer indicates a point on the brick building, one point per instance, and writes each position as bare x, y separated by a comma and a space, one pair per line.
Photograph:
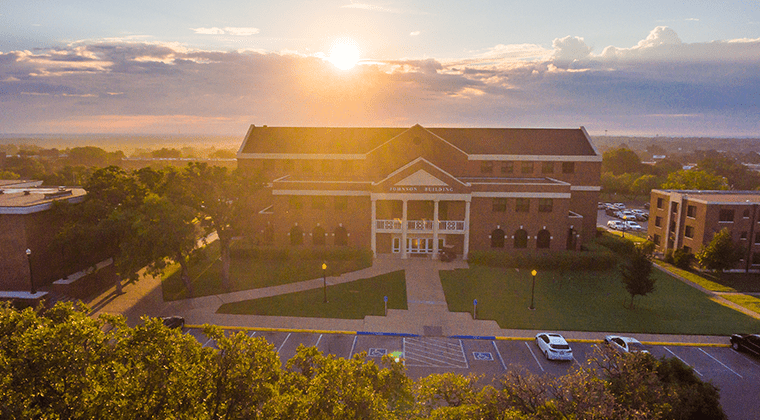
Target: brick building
688, 220
414, 190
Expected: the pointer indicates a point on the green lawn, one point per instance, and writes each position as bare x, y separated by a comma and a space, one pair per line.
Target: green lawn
588, 301
353, 300
248, 273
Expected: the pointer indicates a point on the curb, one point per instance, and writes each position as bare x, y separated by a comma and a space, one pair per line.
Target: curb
291, 330
386, 334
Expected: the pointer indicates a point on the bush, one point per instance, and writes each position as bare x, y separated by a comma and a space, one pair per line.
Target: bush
597, 258
242, 250
682, 259
669, 256
616, 244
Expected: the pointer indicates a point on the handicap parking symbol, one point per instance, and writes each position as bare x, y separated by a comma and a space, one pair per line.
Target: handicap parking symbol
482, 356
373, 352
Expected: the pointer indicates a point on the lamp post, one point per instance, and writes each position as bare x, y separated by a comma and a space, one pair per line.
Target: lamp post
533, 290
324, 281
31, 279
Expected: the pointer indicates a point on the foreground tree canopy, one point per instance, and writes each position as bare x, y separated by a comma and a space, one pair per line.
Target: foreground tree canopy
61, 363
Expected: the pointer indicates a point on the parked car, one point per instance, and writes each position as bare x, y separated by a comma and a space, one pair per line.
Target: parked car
610, 211
554, 346
626, 215
616, 225
600, 206
619, 205
749, 342
625, 344
173, 321
640, 214
646, 206
634, 226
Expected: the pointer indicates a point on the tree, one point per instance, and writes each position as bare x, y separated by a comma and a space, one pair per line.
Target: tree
694, 180
720, 254
636, 274
737, 175
644, 184
620, 161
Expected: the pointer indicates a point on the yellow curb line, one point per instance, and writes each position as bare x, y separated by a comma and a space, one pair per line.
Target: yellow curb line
279, 330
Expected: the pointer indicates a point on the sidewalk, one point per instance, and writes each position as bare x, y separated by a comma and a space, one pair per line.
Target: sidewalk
427, 312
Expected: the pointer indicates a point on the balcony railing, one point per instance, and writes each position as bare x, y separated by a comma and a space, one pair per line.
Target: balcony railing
444, 226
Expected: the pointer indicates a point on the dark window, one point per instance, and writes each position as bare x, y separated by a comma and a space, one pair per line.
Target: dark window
689, 232
545, 205
500, 204
522, 205
341, 236
658, 221
656, 239
726, 215
756, 258
568, 167
296, 235
443, 210
295, 202
674, 209
268, 164
659, 203
341, 202
486, 167
543, 239
526, 167
521, 239
318, 202
288, 165
497, 238
757, 237
318, 235
743, 236
507, 167
691, 211
687, 249
547, 168
745, 214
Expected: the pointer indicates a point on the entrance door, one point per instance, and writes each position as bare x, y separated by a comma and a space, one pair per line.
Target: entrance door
419, 245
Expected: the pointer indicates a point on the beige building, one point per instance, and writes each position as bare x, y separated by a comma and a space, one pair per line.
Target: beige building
412, 191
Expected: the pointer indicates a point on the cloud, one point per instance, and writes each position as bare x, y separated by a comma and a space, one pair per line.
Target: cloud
414, 33
226, 31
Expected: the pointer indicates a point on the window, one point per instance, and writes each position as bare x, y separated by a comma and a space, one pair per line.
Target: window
656, 239
527, 168
268, 164
568, 167
687, 249
756, 258
726, 215
499, 204
691, 211
543, 239
522, 205
497, 238
268, 234
443, 210
318, 235
689, 232
658, 221
743, 236
288, 165
545, 205
659, 203
757, 238
318, 202
295, 202
341, 202
521, 238
507, 167
547, 168
486, 167
296, 235
341, 236
745, 214
674, 209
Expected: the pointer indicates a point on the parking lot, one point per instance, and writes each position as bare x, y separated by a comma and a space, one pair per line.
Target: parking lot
736, 374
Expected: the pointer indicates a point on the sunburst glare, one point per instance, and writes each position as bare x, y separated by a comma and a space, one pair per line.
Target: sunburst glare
344, 53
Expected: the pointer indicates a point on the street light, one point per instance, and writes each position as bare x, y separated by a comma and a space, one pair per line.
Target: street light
324, 281
31, 279
533, 290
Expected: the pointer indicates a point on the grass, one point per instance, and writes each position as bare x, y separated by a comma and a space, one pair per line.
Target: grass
695, 278
739, 282
750, 302
353, 300
248, 273
588, 301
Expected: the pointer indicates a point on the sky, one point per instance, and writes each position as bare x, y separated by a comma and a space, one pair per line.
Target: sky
649, 68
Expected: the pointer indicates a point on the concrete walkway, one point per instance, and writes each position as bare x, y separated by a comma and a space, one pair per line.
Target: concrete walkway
427, 312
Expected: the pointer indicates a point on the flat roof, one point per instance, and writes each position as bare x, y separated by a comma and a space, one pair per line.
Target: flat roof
35, 199
719, 196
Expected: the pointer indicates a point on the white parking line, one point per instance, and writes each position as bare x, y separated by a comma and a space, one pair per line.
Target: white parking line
207, 341
499, 354
684, 362
353, 346
534, 357
318, 339
252, 334
461, 346
721, 363
283, 343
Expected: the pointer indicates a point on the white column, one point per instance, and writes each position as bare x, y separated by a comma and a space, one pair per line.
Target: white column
403, 230
435, 229
466, 229
373, 239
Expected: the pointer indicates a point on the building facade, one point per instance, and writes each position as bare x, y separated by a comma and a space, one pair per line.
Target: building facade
688, 220
412, 191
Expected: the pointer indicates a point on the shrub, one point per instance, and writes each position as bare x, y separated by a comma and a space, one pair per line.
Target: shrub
669, 256
682, 259
596, 259
617, 244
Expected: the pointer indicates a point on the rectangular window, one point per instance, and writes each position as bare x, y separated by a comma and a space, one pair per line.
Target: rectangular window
341, 202
743, 236
507, 167
656, 239
522, 205
756, 258
486, 167
659, 203
745, 214
295, 202
443, 210
526, 167
691, 211
674, 209
547, 168
288, 165
757, 238
568, 167
658, 221
687, 249
689, 232
268, 165
726, 215
500, 204
545, 205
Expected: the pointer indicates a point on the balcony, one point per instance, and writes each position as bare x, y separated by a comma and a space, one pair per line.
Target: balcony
444, 226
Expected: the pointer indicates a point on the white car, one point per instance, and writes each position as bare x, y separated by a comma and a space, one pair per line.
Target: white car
635, 226
554, 346
616, 225
619, 205
626, 215
625, 344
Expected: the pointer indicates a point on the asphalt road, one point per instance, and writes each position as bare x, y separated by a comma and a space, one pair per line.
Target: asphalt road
736, 374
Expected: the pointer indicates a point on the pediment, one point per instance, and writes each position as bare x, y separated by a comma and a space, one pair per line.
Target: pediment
419, 178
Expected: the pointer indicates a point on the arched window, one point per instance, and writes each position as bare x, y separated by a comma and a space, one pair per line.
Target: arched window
296, 235
571, 239
497, 238
521, 238
543, 239
318, 235
268, 234
341, 236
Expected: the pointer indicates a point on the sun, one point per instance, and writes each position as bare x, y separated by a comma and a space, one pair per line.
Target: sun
344, 54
